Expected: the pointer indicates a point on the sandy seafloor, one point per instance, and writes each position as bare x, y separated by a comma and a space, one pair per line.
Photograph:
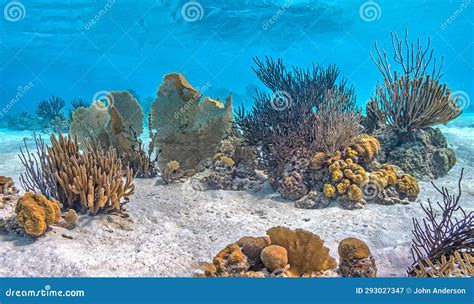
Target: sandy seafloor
173, 227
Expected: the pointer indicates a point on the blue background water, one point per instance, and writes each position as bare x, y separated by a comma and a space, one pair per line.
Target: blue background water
57, 48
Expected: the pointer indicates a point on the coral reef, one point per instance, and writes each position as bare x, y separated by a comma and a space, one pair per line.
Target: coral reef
306, 113
91, 181
187, 129
440, 235
35, 213
50, 115
355, 259
415, 98
407, 105
425, 153
290, 253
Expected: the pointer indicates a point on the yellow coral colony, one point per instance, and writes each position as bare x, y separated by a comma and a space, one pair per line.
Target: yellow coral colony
35, 213
367, 147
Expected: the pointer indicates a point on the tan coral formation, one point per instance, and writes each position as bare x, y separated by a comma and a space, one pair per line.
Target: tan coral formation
188, 130
89, 123
306, 251
355, 259
125, 122
92, 181
35, 213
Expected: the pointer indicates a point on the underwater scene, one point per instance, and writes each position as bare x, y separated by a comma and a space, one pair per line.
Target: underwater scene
212, 138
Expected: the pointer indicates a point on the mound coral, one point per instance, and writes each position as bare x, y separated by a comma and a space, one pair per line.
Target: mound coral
283, 253
441, 234
366, 148
355, 259
306, 251
187, 129
35, 213
412, 99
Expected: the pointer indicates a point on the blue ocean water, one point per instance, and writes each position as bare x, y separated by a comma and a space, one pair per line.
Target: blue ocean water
81, 48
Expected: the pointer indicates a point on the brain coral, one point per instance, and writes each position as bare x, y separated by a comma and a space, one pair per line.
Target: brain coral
188, 130
35, 213
306, 251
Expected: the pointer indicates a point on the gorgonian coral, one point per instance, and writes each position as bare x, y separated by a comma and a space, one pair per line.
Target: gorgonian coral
48, 109
414, 98
442, 232
293, 116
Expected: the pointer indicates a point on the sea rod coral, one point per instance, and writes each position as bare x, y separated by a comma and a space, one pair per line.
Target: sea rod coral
92, 181
443, 239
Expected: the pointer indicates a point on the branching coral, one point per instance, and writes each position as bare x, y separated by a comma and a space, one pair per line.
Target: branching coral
337, 122
457, 265
35, 213
283, 122
441, 235
37, 177
415, 98
90, 181
48, 109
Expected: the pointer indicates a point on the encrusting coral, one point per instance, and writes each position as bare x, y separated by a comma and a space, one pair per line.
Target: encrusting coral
35, 213
187, 128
